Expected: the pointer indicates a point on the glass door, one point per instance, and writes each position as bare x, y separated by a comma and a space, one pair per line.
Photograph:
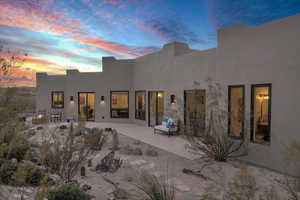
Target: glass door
194, 111
86, 106
156, 107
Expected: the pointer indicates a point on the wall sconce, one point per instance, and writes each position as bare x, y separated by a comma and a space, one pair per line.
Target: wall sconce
40, 116
72, 100
172, 99
102, 101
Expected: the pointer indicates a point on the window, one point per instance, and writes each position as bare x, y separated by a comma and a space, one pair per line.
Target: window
261, 113
140, 105
236, 110
57, 99
119, 104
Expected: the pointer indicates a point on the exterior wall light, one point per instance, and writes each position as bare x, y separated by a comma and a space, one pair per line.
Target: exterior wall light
72, 100
102, 101
172, 99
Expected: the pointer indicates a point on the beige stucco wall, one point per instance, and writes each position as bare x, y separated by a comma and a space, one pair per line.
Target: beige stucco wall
266, 54
245, 55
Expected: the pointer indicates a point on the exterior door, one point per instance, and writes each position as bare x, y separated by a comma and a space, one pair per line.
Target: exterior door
156, 107
86, 106
194, 111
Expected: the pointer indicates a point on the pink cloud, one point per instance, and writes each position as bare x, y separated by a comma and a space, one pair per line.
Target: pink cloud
34, 17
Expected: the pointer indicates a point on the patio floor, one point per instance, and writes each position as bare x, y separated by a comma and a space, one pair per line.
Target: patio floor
173, 144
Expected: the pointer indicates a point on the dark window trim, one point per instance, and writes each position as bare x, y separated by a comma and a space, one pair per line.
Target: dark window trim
145, 92
78, 104
157, 91
269, 111
229, 109
52, 105
112, 91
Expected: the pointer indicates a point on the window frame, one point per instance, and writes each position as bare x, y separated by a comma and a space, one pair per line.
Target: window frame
52, 100
111, 109
145, 106
229, 109
253, 86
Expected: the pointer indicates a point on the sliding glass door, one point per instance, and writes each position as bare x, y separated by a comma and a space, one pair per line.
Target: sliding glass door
86, 106
156, 107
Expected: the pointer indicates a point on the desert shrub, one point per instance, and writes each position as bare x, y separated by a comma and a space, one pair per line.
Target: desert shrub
242, 187
7, 171
95, 138
109, 163
18, 151
44, 189
65, 157
155, 188
28, 174
4, 150
68, 192
213, 141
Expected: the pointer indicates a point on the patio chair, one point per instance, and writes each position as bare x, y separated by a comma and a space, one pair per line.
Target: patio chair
168, 126
55, 116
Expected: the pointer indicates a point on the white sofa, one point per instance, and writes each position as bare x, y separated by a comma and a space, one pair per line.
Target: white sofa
168, 130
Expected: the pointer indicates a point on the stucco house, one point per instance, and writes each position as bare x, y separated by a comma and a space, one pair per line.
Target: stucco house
258, 66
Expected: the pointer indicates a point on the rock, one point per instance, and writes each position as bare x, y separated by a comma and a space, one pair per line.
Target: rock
180, 186
134, 151
31, 132
39, 128
138, 162
86, 187
63, 127
128, 179
14, 160
120, 194
151, 152
148, 166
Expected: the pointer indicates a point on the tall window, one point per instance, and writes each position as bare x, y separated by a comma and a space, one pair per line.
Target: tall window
57, 99
261, 113
140, 105
119, 104
236, 110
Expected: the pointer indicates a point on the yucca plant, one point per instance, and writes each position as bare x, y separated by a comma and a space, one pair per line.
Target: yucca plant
156, 188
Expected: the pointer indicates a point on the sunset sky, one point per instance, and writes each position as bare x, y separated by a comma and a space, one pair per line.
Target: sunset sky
64, 34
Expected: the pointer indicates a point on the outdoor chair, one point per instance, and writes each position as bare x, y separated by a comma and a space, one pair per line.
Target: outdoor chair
55, 116
168, 126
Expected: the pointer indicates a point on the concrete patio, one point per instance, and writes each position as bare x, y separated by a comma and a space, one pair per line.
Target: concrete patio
173, 144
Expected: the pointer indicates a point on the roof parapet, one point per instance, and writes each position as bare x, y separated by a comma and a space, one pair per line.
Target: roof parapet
177, 48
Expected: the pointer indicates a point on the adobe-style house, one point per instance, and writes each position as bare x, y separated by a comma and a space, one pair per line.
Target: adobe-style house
258, 66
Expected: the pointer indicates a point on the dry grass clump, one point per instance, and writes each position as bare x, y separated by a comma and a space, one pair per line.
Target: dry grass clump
155, 188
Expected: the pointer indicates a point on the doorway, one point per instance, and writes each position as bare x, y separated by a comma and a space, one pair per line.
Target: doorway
156, 107
194, 111
86, 106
